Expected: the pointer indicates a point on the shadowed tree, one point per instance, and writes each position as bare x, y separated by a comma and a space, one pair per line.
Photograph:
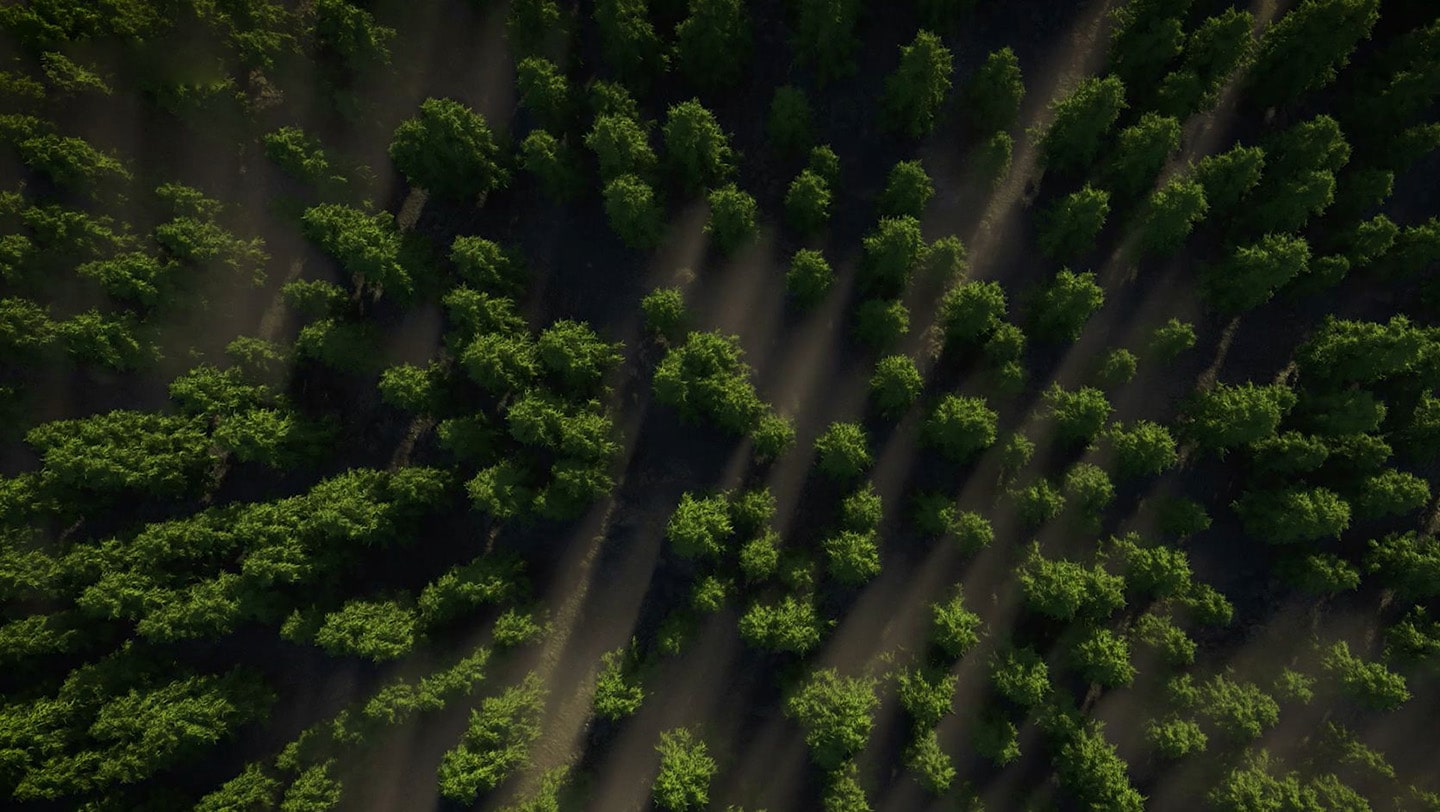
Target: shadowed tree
712, 44
916, 91
1220, 46
628, 40
790, 126
1305, 49
1069, 229
825, 36
1081, 120
993, 95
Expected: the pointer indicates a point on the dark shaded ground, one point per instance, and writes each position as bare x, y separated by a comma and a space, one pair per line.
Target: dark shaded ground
582, 271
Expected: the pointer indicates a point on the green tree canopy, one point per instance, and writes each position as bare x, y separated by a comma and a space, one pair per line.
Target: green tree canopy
916, 91
836, 713
449, 151
696, 149
1081, 120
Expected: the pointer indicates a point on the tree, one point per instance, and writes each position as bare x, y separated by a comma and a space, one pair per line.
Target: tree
993, 95
1104, 658
954, 628
916, 91
534, 24
1039, 503
772, 436
634, 213
1116, 369
1080, 123
1171, 339
843, 451
706, 377
809, 277
699, 527
1069, 229
1173, 211
449, 151
1216, 49
836, 713
621, 145
665, 313
1079, 415
1293, 515
1146, 38
1287, 455
1390, 493
893, 250
500, 362
409, 388
790, 126
895, 385
553, 162
1371, 684
366, 245
852, 557
1141, 153
1143, 449
69, 162
1063, 590
843, 792
760, 557
1226, 416
628, 40
971, 311
495, 743
1408, 563
1229, 176
1161, 634
932, 766
544, 92
752, 510
1299, 179
907, 189
712, 44
732, 218
1093, 774
1089, 488
1343, 351
350, 34
376, 630
697, 150
1307, 47
959, 427
485, 265
575, 354
1021, 676
111, 453
881, 323
686, 769
927, 695
1060, 310
825, 37
788, 625
807, 202
997, 739
251, 789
